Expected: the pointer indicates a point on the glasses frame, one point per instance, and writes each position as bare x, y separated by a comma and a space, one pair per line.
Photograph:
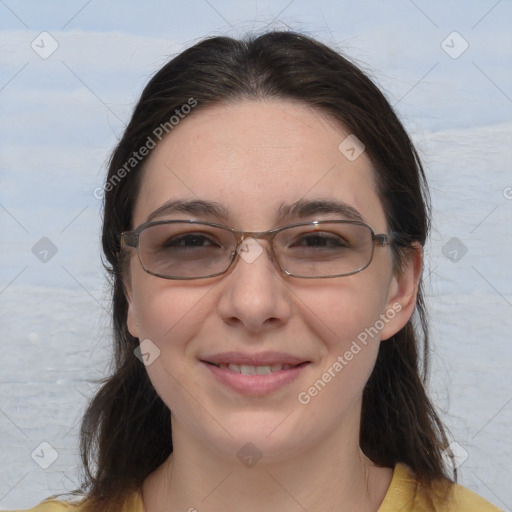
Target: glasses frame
131, 239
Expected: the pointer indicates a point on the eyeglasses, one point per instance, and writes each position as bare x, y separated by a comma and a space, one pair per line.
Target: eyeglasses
189, 249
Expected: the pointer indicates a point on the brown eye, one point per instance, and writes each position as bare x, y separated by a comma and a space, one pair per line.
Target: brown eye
321, 240
190, 240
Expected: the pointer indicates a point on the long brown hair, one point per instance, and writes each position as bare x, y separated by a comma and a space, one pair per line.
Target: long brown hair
126, 431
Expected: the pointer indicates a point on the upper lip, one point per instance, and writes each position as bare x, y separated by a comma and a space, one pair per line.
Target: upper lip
259, 359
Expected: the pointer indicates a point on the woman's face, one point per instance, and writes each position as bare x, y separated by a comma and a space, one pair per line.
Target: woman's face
256, 160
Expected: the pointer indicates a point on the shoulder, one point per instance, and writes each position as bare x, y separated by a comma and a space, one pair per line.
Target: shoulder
465, 500
408, 495
131, 502
53, 506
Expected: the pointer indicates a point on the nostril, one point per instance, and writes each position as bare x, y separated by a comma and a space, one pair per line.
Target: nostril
233, 321
270, 322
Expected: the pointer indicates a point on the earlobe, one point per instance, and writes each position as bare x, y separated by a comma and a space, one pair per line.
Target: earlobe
131, 316
131, 320
403, 291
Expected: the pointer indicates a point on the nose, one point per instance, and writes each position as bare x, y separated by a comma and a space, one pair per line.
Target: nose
254, 296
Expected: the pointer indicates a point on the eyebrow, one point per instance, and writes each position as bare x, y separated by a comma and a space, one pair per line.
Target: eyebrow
193, 207
301, 209
307, 208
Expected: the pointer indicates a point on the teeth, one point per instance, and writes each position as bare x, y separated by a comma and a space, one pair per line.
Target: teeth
246, 369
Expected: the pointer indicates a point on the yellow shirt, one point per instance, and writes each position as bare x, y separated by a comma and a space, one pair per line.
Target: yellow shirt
404, 495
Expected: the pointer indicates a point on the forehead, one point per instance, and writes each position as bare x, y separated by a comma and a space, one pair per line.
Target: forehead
254, 158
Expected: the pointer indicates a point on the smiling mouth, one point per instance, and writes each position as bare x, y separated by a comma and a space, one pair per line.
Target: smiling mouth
246, 369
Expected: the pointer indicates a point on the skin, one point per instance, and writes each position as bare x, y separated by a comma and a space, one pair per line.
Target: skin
251, 157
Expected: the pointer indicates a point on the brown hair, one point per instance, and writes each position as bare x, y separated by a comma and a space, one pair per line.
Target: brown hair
126, 431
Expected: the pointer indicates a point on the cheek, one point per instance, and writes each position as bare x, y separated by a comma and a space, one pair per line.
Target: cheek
169, 313
340, 311
346, 318
170, 316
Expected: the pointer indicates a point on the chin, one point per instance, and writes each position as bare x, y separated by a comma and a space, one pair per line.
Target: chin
271, 437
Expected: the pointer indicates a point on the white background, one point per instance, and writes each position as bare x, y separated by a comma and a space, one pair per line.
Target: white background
62, 115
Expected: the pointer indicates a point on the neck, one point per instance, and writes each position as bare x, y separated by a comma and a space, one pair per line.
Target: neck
334, 475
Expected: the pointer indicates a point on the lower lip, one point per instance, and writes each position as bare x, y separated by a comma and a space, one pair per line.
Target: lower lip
256, 385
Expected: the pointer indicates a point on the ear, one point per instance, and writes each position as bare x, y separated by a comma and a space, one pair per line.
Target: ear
131, 316
403, 291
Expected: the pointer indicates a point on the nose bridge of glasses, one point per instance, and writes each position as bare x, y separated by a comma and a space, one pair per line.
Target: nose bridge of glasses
250, 252
261, 235
242, 236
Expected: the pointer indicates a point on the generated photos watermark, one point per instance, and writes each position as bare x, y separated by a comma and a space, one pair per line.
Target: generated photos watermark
304, 397
147, 352
351, 147
156, 136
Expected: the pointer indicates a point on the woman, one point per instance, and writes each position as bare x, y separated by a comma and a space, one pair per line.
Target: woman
265, 214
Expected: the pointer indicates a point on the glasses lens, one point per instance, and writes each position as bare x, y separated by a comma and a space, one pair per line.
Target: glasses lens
185, 250
324, 249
